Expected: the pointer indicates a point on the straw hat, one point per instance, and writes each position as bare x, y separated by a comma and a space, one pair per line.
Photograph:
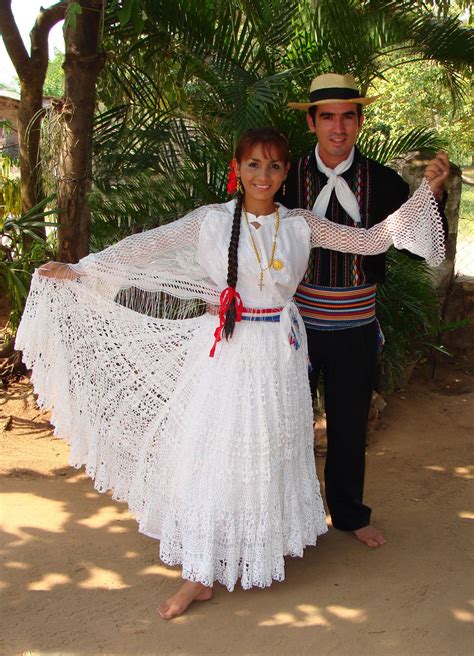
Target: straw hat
330, 88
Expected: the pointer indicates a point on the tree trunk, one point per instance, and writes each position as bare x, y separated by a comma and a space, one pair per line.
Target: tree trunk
29, 132
31, 70
82, 65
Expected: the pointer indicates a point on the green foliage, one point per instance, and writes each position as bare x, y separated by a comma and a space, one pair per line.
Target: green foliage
466, 215
10, 192
187, 81
409, 315
22, 250
384, 149
417, 95
14, 85
54, 82
187, 78
467, 202
131, 12
73, 10
6, 125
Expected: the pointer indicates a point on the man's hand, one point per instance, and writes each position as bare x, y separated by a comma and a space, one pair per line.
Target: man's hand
437, 173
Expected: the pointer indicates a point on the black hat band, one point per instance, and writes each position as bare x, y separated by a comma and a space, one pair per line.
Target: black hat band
336, 92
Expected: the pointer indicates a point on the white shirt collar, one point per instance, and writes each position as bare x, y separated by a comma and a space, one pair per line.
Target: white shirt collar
230, 207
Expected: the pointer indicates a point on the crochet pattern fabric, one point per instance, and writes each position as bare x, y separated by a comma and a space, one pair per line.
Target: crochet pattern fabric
213, 455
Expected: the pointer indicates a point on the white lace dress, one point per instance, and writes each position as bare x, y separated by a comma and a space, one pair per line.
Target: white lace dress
213, 455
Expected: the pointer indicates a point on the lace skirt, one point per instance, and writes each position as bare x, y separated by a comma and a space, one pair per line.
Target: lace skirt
213, 455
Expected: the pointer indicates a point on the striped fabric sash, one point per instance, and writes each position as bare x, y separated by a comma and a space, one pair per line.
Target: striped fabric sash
335, 308
288, 318
254, 314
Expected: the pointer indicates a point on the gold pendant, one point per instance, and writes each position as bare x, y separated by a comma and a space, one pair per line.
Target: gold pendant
277, 265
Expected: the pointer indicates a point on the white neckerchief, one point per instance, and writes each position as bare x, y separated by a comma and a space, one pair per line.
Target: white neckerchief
343, 193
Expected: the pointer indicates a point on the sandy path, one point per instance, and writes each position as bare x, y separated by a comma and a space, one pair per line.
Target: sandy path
79, 579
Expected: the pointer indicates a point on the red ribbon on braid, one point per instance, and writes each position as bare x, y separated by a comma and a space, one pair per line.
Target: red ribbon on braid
232, 179
227, 296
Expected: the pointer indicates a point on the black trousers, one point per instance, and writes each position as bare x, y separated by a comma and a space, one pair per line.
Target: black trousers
347, 361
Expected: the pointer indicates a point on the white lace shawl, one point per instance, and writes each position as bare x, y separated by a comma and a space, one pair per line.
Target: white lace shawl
163, 262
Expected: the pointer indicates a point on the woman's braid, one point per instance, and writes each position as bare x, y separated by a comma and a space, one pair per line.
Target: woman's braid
229, 324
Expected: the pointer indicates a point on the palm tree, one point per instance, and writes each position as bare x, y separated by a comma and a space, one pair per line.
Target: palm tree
197, 74
187, 78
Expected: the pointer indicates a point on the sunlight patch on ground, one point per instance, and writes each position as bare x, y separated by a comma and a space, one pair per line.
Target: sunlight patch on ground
33, 510
49, 582
131, 554
103, 578
182, 619
103, 517
161, 570
463, 615
349, 614
117, 529
15, 564
465, 472
48, 653
308, 616
75, 478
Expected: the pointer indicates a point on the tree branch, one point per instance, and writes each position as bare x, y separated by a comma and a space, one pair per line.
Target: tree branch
12, 40
14, 45
46, 19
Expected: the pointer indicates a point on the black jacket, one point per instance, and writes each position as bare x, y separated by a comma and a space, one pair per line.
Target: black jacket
380, 191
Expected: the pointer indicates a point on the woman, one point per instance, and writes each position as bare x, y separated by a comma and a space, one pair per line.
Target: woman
208, 440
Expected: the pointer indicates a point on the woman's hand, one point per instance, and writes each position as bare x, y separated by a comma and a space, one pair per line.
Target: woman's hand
58, 270
437, 173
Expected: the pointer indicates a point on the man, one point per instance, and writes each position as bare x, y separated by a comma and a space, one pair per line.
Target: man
337, 296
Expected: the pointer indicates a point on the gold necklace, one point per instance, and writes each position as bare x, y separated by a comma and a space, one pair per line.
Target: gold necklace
274, 263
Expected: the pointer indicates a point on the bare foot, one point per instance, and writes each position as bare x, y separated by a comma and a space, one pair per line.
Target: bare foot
371, 536
178, 603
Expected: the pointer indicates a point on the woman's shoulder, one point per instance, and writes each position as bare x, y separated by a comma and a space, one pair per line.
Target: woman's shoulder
203, 213
219, 208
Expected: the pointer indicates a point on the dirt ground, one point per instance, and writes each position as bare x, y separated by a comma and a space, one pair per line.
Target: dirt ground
79, 579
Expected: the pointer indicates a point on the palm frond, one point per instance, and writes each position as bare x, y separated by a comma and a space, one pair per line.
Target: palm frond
383, 149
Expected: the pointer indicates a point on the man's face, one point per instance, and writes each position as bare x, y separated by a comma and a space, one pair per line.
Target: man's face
337, 126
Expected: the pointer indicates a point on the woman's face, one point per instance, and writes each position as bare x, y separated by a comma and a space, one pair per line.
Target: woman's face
262, 172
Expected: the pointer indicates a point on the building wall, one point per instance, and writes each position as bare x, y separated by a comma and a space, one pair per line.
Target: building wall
9, 138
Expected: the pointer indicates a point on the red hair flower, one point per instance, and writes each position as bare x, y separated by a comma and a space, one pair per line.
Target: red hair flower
232, 180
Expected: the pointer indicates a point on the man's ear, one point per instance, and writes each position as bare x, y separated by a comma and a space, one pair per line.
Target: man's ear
361, 120
311, 126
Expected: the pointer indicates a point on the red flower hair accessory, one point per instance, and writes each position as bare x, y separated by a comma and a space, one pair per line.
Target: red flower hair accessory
232, 180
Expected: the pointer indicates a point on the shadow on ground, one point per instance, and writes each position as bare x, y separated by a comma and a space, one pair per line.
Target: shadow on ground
79, 579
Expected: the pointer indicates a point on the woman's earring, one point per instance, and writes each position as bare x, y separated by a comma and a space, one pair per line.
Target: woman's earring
283, 190
240, 189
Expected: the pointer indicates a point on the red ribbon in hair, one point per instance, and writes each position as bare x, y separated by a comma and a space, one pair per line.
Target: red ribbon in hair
232, 180
226, 298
